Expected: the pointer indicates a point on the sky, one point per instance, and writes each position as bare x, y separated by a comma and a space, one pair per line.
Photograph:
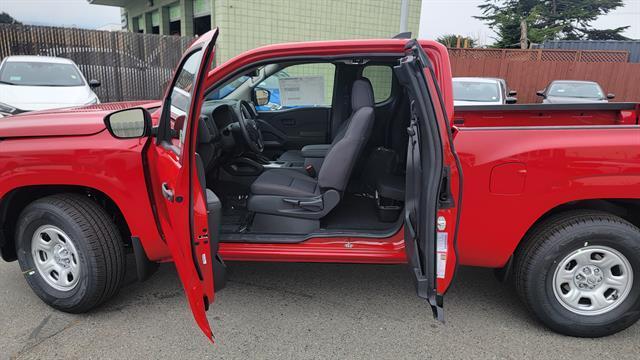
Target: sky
438, 17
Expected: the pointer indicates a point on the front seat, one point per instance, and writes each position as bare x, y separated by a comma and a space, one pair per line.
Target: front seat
288, 201
299, 155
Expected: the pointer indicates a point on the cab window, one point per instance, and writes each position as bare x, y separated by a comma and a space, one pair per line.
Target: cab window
381, 77
299, 86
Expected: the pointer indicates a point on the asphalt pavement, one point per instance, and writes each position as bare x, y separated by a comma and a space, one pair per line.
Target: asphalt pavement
295, 311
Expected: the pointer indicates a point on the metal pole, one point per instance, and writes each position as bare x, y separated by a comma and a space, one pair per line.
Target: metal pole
404, 14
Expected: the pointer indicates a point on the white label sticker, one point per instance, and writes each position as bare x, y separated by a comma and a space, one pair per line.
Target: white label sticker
442, 242
441, 265
301, 91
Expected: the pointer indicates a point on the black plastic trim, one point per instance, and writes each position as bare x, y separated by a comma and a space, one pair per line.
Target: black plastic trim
144, 267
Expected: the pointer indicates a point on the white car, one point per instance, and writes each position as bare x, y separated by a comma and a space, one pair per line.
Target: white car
481, 91
30, 83
572, 92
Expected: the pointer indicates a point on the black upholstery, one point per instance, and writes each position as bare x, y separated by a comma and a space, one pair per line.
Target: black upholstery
285, 182
361, 96
274, 186
291, 156
207, 145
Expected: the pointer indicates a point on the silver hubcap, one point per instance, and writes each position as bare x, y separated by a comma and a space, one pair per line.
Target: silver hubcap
55, 257
593, 280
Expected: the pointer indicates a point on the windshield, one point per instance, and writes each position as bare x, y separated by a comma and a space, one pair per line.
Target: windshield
476, 91
227, 89
576, 90
40, 74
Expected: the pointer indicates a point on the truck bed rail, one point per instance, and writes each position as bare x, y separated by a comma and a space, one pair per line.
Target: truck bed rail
546, 115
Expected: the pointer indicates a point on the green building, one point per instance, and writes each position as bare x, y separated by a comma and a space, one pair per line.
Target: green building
246, 24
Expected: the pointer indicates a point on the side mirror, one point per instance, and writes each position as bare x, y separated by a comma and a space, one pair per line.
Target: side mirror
511, 100
129, 123
512, 93
93, 83
261, 96
610, 96
540, 93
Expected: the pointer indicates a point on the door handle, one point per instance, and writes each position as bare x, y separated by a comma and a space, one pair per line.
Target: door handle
167, 192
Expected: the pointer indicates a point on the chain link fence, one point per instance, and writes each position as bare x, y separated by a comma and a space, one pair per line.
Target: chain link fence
130, 66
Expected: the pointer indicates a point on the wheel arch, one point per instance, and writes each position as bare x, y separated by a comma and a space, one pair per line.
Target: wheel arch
627, 209
12, 204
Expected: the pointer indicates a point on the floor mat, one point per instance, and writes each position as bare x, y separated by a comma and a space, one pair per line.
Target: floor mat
355, 212
235, 215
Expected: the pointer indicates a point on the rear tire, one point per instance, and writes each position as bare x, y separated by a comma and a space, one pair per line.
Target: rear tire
576, 271
70, 252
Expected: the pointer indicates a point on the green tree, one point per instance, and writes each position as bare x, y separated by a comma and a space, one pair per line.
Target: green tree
452, 41
8, 19
518, 23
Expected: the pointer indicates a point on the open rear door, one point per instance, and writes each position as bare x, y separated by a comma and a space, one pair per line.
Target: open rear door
433, 181
180, 204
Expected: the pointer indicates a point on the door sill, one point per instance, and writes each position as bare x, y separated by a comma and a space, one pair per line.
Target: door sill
264, 238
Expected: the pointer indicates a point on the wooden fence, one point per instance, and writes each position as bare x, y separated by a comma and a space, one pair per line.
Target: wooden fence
529, 70
131, 66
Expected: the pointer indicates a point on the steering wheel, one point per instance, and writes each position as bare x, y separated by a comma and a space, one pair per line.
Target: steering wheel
249, 128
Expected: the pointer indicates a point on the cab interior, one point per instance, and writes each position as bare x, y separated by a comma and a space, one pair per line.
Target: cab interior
305, 148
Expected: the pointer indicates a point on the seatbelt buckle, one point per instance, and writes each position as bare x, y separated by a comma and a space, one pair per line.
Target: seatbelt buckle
311, 171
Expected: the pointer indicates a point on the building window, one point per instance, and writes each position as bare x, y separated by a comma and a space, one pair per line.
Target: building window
155, 22
201, 16
174, 19
201, 24
137, 24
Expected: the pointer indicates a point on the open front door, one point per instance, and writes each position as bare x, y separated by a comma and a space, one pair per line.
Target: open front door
433, 182
180, 203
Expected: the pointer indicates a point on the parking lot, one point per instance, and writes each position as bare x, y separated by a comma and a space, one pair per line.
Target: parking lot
300, 311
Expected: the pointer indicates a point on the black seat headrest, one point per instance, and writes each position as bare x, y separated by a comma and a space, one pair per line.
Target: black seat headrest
361, 94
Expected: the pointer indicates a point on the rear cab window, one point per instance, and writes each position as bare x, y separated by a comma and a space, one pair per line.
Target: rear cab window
381, 78
299, 86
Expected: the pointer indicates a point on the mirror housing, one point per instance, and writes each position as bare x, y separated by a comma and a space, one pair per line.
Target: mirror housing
93, 83
512, 93
261, 96
610, 96
541, 93
510, 100
129, 123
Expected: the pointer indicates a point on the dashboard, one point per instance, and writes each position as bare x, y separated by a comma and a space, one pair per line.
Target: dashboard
223, 114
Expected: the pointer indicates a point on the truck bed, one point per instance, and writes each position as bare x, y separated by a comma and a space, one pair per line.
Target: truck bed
546, 115
520, 161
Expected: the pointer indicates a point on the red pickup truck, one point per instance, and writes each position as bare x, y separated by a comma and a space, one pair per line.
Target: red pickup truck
355, 156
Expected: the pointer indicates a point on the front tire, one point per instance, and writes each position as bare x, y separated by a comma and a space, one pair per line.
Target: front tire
70, 252
579, 273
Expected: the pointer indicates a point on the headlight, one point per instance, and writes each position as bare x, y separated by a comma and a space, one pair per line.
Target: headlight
6, 110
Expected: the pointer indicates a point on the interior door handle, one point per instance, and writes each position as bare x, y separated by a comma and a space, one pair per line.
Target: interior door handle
167, 192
